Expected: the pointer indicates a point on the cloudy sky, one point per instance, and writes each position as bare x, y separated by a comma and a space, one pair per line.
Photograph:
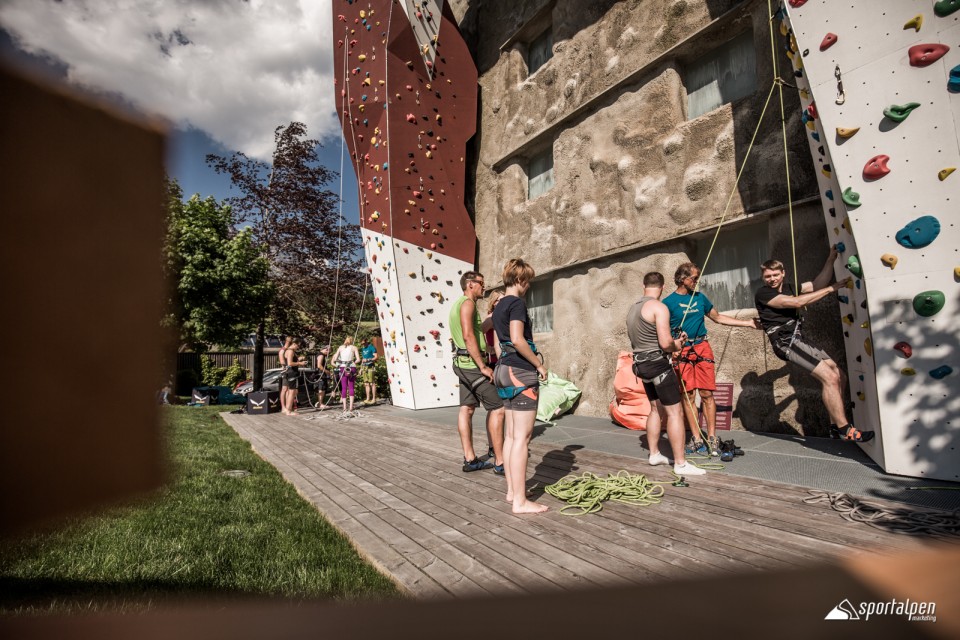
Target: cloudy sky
225, 73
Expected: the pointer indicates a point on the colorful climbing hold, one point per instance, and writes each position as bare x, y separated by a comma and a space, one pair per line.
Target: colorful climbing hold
953, 83
851, 198
854, 267
889, 260
876, 167
923, 55
944, 8
828, 41
941, 372
899, 113
943, 173
798, 3
908, 371
928, 303
919, 233
868, 346
904, 349
914, 23
844, 132
840, 247
956, 273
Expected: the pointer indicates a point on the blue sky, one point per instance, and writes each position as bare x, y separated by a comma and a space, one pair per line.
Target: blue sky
223, 73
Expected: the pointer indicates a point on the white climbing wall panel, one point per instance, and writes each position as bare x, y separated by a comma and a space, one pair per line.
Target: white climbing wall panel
882, 121
416, 335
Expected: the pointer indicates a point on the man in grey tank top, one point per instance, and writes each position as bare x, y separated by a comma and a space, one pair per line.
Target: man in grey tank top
648, 326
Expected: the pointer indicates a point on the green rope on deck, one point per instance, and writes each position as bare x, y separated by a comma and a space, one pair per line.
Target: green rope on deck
586, 493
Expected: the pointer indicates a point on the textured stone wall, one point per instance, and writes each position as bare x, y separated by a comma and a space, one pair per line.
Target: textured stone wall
635, 181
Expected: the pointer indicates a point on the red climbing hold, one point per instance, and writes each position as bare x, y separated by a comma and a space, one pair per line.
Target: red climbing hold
876, 167
904, 349
412, 119
923, 55
435, 334
812, 110
797, 3
828, 41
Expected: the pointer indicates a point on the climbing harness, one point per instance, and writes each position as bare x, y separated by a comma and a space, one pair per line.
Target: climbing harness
586, 493
937, 524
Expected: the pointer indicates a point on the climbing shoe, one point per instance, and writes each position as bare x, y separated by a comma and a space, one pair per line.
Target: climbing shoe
475, 465
498, 469
713, 444
848, 432
696, 448
489, 455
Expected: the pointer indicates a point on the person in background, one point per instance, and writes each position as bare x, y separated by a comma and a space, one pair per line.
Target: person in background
282, 363
324, 376
493, 353
346, 360
368, 356
288, 398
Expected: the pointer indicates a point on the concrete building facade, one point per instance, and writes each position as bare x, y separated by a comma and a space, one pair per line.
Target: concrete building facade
610, 137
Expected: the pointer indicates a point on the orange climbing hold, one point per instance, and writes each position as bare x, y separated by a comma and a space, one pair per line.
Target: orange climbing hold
923, 55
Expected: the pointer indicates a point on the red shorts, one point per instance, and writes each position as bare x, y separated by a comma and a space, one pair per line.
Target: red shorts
696, 375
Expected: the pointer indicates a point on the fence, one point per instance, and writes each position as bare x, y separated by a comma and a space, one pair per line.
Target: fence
225, 359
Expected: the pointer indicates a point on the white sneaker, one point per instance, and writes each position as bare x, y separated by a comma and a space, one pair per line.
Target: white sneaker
687, 469
657, 458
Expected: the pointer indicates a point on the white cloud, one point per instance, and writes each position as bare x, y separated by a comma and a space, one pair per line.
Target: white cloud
233, 68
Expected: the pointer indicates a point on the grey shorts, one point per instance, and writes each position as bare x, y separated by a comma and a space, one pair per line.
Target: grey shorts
476, 388
526, 400
800, 353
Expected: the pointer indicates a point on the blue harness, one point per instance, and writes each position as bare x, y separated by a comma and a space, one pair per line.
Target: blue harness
509, 393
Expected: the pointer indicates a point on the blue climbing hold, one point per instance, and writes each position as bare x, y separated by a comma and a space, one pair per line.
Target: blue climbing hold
829, 194
953, 84
840, 247
919, 233
941, 372
843, 299
815, 136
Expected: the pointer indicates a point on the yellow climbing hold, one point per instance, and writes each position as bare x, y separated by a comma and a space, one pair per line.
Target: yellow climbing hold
844, 132
956, 272
914, 23
908, 371
945, 172
361, 57
868, 346
889, 260
846, 224
363, 14
865, 324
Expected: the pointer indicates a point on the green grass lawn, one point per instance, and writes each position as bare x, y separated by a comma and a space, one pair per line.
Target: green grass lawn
206, 535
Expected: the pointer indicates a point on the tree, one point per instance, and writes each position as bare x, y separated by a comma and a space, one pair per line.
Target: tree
219, 283
314, 254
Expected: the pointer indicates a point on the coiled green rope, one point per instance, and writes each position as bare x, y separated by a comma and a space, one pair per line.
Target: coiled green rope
586, 493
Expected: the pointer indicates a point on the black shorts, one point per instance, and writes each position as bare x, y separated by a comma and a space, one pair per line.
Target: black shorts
664, 385
292, 378
798, 352
476, 388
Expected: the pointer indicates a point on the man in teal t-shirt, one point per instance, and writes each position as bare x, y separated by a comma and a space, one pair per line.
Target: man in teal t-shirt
476, 378
694, 364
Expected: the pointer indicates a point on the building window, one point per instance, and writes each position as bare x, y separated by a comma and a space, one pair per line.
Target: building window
733, 273
727, 73
540, 305
540, 174
539, 51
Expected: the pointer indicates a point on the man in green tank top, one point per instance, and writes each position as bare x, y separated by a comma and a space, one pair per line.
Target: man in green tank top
476, 378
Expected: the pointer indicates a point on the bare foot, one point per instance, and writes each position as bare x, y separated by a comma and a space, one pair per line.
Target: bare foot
530, 507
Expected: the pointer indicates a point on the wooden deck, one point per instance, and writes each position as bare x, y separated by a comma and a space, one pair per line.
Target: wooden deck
394, 486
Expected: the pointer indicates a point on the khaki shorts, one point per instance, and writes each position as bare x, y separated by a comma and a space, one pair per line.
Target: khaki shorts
476, 388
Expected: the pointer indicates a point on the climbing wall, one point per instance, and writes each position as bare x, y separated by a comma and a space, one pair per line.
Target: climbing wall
407, 100
879, 82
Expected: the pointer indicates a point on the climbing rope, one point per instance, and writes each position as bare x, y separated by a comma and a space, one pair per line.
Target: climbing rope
586, 493
777, 83
937, 524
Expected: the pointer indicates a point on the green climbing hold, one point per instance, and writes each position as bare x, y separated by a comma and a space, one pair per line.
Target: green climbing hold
944, 8
853, 266
851, 198
928, 303
899, 113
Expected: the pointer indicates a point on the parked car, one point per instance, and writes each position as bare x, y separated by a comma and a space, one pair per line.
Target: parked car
307, 389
